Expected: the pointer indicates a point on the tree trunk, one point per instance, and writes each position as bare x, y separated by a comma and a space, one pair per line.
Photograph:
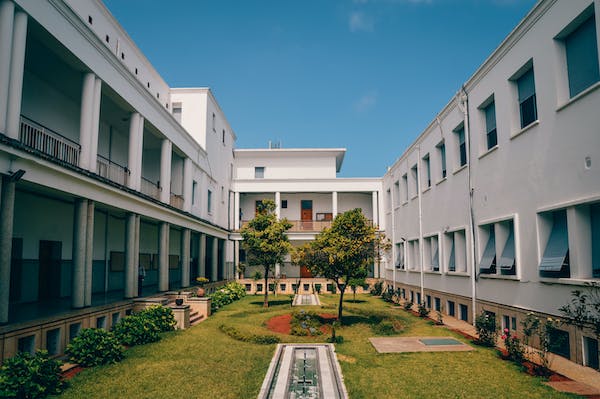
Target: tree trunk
341, 300
266, 302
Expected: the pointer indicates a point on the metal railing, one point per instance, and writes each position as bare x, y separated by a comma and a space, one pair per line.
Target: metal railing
176, 201
150, 188
112, 170
41, 138
302, 225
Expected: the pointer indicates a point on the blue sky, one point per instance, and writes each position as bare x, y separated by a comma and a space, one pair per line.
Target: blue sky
367, 75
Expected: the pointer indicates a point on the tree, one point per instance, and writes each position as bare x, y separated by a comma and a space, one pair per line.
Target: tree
265, 241
354, 283
584, 309
344, 251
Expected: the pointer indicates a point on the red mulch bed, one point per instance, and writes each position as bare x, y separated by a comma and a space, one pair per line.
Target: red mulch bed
281, 324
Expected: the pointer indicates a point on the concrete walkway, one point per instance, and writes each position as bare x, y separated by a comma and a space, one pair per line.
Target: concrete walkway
559, 364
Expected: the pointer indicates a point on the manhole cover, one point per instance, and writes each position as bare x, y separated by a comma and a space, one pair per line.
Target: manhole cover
440, 341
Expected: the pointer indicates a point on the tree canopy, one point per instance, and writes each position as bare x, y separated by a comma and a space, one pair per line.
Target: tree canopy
265, 241
343, 252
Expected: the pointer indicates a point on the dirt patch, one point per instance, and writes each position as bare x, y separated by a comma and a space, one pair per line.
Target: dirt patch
281, 324
347, 359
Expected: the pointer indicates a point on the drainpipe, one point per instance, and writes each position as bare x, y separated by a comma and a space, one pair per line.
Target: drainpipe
421, 254
463, 103
393, 235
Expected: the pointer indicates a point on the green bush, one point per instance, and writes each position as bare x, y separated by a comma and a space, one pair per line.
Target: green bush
162, 317
305, 323
387, 327
229, 293
423, 311
486, 329
95, 346
377, 288
407, 305
136, 330
245, 337
30, 377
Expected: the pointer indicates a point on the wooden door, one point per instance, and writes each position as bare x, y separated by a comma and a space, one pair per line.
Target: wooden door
49, 275
305, 273
306, 214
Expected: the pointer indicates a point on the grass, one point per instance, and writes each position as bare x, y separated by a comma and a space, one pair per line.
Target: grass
204, 362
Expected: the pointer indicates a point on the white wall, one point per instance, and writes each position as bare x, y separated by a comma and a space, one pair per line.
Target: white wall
285, 164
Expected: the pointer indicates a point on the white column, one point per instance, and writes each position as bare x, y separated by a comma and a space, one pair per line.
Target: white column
139, 153
130, 275
163, 257
334, 204
375, 207
165, 170
236, 258
187, 185
278, 205
136, 256
79, 246
7, 9
185, 257
214, 271
202, 255
15, 86
236, 210
89, 253
95, 124
132, 157
85, 119
7, 203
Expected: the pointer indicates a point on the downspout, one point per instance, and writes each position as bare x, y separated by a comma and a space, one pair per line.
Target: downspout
421, 253
463, 102
393, 235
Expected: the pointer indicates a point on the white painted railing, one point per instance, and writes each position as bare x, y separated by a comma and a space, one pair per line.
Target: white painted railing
150, 188
50, 143
111, 170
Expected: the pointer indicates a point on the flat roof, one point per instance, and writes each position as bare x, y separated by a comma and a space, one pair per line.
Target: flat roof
337, 152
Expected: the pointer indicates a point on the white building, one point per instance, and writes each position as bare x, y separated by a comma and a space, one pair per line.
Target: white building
522, 137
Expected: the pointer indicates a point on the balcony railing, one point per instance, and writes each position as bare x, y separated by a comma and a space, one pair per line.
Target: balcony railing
150, 188
176, 201
303, 225
112, 170
49, 142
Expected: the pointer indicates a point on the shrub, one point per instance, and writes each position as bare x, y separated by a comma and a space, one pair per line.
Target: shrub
136, 330
388, 296
408, 305
229, 293
377, 288
162, 317
486, 329
514, 347
423, 311
95, 346
387, 327
27, 376
305, 323
245, 337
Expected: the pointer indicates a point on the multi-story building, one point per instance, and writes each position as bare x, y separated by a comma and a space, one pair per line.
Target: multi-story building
109, 175
496, 205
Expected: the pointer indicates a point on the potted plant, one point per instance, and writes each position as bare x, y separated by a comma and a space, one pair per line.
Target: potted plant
200, 292
179, 299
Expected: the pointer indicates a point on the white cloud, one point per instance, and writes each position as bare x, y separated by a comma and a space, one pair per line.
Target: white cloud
359, 21
366, 102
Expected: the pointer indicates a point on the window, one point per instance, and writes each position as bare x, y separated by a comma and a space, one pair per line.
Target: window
451, 308
527, 102
388, 199
283, 204
427, 166
413, 254
397, 193
26, 344
507, 262
432, 253
590, 352
441, 147
490, 125
513, 323
223, 137
487, 265
209, 201
53, 341
259, 287
581, 49
248, 287
462, 146
194, 188
415, 176
456, 248
101, 322
214, 122
400, 256
595, 222
259, 172
438, 304
464, 312
452, 257
555, 260
428, 301
412, 296
559, 342
419, 298
222, 194
282, 287
176, 110
405, 188
505, 322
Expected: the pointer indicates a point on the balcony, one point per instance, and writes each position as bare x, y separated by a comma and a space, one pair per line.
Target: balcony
300, 226
150, 188
111, 170
44, 140
176, 201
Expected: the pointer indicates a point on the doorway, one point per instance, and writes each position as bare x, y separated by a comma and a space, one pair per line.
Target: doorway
49, 276
306, 214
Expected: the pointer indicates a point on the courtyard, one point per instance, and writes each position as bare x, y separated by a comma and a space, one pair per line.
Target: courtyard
204, 361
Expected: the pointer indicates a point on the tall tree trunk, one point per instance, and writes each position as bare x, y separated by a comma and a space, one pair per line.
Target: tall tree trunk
341, 300
266, 302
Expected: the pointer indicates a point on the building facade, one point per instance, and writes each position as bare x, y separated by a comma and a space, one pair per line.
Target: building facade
496, 205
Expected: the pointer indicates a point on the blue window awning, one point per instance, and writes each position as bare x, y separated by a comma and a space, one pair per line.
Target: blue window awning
507, 259
557, 247
435, 260
488, 260
452, 259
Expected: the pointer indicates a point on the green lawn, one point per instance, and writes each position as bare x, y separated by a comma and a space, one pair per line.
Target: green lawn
203, 362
